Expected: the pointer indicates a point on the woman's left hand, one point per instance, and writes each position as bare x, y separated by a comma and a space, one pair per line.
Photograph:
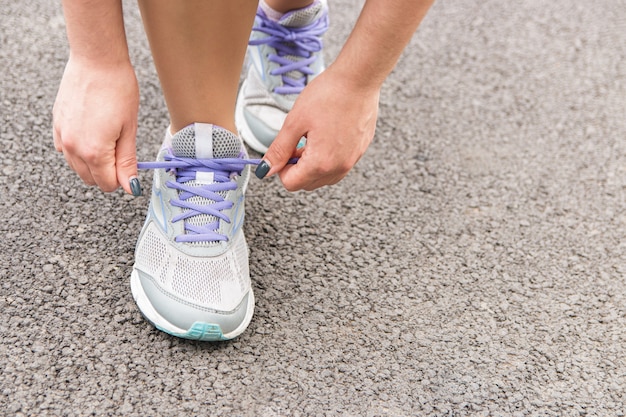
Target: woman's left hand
338, 118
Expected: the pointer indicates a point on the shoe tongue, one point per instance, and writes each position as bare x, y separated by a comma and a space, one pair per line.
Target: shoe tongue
206, 141
302, 17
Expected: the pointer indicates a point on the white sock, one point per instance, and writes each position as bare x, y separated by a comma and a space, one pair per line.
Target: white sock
269, 12
168, 136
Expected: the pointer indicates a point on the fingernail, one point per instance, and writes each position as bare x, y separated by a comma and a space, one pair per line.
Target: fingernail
135, 186
262, 170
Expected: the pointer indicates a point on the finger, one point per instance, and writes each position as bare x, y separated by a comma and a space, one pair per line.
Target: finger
281, 150
298, 153
126, 161
101, 164
80, 168
302, 175
95, 166
296, 178
322, 183
56, 136
69, 149
314, 169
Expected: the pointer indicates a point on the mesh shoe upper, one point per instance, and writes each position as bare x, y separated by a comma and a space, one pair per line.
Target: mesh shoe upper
284, 57
292, 44
192, 244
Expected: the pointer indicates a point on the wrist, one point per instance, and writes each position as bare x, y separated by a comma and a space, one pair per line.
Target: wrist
95, 32
100, 62
353, 78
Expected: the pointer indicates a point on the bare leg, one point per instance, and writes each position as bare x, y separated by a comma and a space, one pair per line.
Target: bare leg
198, 48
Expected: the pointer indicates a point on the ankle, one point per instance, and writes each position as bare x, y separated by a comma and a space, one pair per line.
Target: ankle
274, 9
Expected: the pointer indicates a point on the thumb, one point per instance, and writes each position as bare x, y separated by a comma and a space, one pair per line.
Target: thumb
281, 150
126, 162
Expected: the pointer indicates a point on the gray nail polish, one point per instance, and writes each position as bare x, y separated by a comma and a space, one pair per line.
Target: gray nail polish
262, 170
135, 187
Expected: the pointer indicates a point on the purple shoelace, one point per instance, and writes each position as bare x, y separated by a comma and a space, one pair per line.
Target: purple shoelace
185, 170
300, 42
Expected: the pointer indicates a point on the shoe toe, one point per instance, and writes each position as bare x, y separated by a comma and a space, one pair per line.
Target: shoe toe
182, 318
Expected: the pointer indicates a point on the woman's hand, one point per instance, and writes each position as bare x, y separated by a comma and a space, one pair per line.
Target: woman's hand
337, 111
338, 118
95, 122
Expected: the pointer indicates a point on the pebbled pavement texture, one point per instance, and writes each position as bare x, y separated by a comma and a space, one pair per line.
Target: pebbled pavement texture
472, 264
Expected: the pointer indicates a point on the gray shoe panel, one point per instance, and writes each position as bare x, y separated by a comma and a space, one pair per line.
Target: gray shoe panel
261, 131
184, 314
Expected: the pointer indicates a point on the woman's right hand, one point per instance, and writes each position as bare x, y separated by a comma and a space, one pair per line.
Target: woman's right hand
95, 122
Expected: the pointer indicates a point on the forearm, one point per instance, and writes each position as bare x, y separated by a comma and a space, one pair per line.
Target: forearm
381, 33
95, 31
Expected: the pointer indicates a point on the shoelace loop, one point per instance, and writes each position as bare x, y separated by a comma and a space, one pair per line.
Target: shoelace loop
299, 42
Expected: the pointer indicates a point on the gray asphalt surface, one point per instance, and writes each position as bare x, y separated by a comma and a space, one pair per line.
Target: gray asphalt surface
472, 264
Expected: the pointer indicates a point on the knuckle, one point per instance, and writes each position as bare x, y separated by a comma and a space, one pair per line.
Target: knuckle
108, 188
91, 156
106, 181
291, 187
279, 151
338, 167
289, 184
326, 168
344, 167
126, 163
69, 144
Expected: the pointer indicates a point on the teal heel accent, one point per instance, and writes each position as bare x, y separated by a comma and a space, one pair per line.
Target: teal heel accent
205, 332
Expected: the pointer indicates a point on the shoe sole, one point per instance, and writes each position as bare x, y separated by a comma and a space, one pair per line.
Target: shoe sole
242, 126
202, 331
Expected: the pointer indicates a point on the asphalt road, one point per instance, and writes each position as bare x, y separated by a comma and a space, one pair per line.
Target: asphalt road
472, 264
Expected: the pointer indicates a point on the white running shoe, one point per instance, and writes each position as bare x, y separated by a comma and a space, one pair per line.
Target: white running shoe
284, 56
191, 276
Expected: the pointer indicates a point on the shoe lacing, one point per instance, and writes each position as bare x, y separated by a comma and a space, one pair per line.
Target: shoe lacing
224, 172
298, 42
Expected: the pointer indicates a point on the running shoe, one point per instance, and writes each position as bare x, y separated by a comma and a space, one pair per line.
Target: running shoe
191, 275
284, 56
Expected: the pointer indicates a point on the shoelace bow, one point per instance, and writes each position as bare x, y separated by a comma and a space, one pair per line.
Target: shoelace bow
300, 42
223, 171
